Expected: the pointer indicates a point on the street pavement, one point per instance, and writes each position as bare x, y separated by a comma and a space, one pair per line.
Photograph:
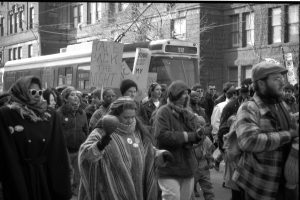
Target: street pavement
220, 192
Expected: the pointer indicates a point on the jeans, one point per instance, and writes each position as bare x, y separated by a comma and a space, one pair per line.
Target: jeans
176, 188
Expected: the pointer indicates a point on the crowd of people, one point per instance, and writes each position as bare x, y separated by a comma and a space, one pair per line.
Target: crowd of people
58, 142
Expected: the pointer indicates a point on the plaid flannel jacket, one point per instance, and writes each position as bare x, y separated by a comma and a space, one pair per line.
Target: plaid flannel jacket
260, 168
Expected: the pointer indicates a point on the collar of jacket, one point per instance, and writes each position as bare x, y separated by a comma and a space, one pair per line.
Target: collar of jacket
66, 109
263, 107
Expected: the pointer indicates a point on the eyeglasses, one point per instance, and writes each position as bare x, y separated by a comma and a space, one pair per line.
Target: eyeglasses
33, 92
212, 88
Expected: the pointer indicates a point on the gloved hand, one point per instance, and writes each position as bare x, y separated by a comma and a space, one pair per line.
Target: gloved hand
101, 144
197, 136
162, 157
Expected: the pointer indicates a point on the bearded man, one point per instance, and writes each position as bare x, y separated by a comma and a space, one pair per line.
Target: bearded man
264, 134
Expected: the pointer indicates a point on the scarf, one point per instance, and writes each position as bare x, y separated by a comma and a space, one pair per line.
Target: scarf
184, 115
24, 104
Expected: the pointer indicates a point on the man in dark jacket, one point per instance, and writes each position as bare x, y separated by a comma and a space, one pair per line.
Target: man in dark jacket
226, 87
176, 130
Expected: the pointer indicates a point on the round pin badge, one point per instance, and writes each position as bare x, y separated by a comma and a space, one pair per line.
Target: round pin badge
66, 119
135, 145
129, 140
19, 128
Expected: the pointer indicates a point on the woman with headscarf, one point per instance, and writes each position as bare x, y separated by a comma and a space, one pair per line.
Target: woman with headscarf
34, 162
118, 163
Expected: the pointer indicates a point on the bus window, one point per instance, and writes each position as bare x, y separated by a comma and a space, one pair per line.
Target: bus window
65, 76
169, 69
83, 75
181, 69
129, 62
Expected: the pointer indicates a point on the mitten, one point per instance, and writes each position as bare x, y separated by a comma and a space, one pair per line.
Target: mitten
101, 144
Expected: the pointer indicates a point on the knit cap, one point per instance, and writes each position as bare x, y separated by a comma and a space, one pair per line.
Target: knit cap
175, 89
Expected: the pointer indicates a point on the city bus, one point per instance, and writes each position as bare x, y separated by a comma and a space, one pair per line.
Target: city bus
170, 60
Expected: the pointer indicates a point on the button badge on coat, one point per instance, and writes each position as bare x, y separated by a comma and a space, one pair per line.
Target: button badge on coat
19, 128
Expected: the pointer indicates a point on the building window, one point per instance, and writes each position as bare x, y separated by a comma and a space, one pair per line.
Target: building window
1, 26
248, 38
20, 53
275, 29
246, 72
16, 20
98, 11
89, 13
15, 54
122, 6
21, 19
234, 19
11, 23
179, 28
293, 23
77, 15
233, 74
30, 50
9, 54
31, 17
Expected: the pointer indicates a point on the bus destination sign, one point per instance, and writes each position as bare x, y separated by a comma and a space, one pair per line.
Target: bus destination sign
180, 49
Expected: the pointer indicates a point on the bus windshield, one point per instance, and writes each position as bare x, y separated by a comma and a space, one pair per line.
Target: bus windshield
169, 69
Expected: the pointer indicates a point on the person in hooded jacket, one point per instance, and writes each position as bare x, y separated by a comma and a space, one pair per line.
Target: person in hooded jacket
34, 162
75, 130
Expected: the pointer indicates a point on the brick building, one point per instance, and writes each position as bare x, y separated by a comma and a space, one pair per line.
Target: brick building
30, 29
232, 37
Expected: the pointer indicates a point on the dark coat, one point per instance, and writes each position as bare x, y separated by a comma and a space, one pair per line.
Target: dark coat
75, 127
34, 163
146, 111
169, 127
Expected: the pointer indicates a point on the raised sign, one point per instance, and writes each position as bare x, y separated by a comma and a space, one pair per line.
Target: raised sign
106, 64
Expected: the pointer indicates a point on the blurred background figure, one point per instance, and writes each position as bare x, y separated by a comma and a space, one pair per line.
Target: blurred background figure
75, 130
109, 96
94, 104
290, 99
148, 107
4, 99
50, 96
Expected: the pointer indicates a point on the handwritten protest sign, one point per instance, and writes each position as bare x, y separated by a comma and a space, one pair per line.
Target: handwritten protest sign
290, 67
141, 66
106, 64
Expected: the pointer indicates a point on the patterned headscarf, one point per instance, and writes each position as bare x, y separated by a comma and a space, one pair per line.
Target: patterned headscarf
22, 102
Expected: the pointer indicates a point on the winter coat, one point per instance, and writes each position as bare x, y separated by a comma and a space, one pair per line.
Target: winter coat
75, 127
169, 128
146, 110
34, 162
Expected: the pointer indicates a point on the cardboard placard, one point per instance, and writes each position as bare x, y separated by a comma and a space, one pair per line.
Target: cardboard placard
290, 67
106, 64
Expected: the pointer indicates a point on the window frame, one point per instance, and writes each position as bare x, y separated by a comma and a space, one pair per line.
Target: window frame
20, 52
234, 31
275, 26
182, 28
31, 17
30, 50
289, 24
249, 29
